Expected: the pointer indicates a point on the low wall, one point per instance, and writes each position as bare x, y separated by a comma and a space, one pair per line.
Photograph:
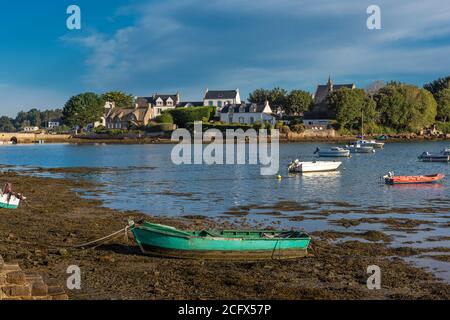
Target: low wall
23, 137
15, 284
309, 133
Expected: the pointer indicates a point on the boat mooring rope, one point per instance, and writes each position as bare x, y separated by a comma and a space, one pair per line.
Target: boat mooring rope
110, 236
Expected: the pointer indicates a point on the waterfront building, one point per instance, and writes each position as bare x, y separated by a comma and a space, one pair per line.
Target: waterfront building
221, 98
320, 116
247, 113
158, 103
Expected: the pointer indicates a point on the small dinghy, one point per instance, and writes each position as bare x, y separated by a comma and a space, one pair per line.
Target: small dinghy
391, 178
161, 240
333, 152
10, 199
313, 166
443, 156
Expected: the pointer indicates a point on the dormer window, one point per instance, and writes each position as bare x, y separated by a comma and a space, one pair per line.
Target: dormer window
220, 95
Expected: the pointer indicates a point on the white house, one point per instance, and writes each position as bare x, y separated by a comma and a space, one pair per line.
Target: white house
52, 124
158, 102
221, 98
30, 129
247, 113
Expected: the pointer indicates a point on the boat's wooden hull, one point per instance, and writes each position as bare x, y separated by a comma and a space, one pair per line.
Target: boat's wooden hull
414, 179
224, 254
9, 201
318, 166
179, 244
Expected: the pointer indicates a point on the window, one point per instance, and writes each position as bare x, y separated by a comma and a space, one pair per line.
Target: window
211, 103
252, 120
241, 120
219, 104
230, 119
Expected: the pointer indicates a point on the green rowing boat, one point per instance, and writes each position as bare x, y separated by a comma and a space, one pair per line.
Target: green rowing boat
161, 240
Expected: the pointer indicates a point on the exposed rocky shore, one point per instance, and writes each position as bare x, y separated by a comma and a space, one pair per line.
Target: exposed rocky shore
42, 233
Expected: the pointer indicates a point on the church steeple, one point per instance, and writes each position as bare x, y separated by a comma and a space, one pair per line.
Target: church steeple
329, 84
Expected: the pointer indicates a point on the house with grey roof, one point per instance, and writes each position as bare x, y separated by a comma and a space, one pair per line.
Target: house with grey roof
320, 115
158, 102
247, 113
221, 98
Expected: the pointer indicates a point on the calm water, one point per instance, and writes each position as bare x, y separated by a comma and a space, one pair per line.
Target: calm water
148, 181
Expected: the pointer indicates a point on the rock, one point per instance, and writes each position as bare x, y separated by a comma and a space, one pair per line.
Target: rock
63, 252
16, 277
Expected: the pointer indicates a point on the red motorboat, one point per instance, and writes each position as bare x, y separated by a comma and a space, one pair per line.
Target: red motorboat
390, 178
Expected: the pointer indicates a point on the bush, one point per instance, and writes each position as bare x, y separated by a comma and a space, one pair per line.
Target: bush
297, 128
258, 125
443, 126
158, 127
165, 117
183, 116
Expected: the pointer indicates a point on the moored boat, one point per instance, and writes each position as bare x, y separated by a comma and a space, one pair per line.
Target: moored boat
313, 166
443, 156
357, 148
391, 178
333, 152
161, 240
370, 143
10, 199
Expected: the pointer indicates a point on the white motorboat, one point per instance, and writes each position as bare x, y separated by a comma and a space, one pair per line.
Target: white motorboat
370, 143
313, 166
333, 152
443, 156
357, 148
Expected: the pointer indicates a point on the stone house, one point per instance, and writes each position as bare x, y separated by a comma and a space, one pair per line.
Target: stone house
320, 116
123, 118
158, 102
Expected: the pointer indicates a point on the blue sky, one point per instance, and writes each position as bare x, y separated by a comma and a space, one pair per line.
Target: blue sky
143, 47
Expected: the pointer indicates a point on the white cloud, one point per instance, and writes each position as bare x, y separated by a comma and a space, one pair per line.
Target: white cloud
332, 38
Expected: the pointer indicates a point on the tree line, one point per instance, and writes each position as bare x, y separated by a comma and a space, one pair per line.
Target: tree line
394, 106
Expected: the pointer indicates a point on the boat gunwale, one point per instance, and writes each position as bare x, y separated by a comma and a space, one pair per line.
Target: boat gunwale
186, 235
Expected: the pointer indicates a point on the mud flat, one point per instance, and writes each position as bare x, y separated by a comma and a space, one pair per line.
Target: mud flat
41, 235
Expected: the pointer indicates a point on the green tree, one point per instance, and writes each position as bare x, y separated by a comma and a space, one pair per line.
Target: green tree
443, 104
277, 97
351, 106
405, 107
437, 85
298, 101
6, 125
83, 109
122, 100
183, 116
165, 117
259, 96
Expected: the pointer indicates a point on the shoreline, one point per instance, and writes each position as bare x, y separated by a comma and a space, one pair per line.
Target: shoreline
40, 235
331, 140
